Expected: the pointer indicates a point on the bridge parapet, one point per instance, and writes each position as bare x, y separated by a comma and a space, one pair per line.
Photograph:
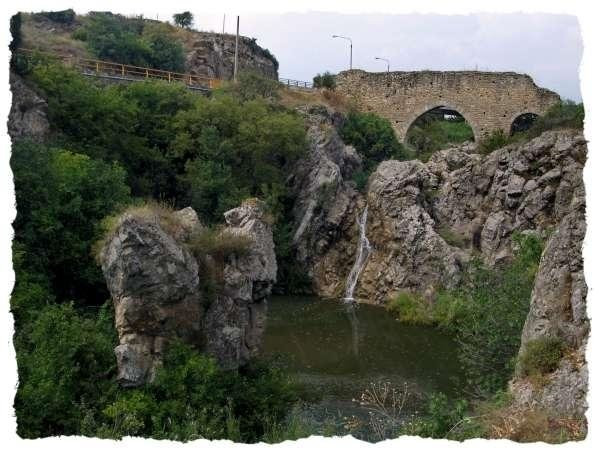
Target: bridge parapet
487, 100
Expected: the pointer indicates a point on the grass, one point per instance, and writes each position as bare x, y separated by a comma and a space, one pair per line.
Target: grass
541, 356
148, 210
59, 40
292, 98
410, 308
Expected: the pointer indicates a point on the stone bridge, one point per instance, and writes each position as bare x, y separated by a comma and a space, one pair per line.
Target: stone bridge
487, 100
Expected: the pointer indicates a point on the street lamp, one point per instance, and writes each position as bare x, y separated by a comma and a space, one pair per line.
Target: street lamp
386, 60
348, 39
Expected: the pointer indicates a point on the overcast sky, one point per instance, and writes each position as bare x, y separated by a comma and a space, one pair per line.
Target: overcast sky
547, 47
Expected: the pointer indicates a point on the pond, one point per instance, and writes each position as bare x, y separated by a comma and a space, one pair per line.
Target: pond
338, 350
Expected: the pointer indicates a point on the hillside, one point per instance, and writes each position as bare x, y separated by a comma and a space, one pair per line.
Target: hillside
112, 37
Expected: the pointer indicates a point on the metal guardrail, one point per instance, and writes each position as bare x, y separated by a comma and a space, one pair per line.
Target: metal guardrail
296, 83
123, 71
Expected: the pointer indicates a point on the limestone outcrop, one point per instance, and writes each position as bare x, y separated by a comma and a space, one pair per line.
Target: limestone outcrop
325, 196
427, 219
212, 55
154, 281
235, 323
28, 112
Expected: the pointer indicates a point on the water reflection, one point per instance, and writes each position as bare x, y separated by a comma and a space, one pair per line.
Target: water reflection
350, 310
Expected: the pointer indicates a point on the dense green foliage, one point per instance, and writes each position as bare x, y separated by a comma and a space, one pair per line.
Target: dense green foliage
62, 197
132, 41
65, 362
541, 356
429, 134
324, 80
111, 146
565, 114
67, 368
374, 139
487, 313
184, 19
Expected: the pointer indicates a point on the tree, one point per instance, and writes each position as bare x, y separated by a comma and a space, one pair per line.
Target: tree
184, 19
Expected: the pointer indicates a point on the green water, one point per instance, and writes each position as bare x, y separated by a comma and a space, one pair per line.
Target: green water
338, 350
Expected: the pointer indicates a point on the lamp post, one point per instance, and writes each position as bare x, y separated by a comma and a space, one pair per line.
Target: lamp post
386, 60
348, 39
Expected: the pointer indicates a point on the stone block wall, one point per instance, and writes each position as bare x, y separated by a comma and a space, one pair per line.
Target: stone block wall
487, 100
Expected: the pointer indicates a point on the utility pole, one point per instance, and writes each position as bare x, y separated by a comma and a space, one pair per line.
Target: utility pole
235, 61
386, 60
348, 39
223, 25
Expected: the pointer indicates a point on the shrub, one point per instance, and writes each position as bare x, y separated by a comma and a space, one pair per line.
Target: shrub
440, 418
133, 41
325, 80
374, 139
540, 356
410, 308
251, 85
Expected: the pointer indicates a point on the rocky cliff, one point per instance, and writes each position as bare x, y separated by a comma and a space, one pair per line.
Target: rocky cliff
206, 53
155, 284
558, 310
213, 54
426, 220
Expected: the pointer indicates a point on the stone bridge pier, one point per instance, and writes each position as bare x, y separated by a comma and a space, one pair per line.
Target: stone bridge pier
487, 100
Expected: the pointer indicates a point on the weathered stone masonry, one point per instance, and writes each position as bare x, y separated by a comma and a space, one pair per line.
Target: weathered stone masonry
487, 100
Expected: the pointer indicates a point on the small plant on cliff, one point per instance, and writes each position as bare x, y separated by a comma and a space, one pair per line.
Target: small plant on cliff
541, 355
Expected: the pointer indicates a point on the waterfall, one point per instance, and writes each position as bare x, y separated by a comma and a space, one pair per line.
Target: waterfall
362, 253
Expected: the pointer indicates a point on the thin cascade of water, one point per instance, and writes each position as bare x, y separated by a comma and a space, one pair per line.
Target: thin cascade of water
362, 253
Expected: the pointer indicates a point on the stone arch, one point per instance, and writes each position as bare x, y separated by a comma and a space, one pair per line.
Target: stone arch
488, 101
463, 111
511, 126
